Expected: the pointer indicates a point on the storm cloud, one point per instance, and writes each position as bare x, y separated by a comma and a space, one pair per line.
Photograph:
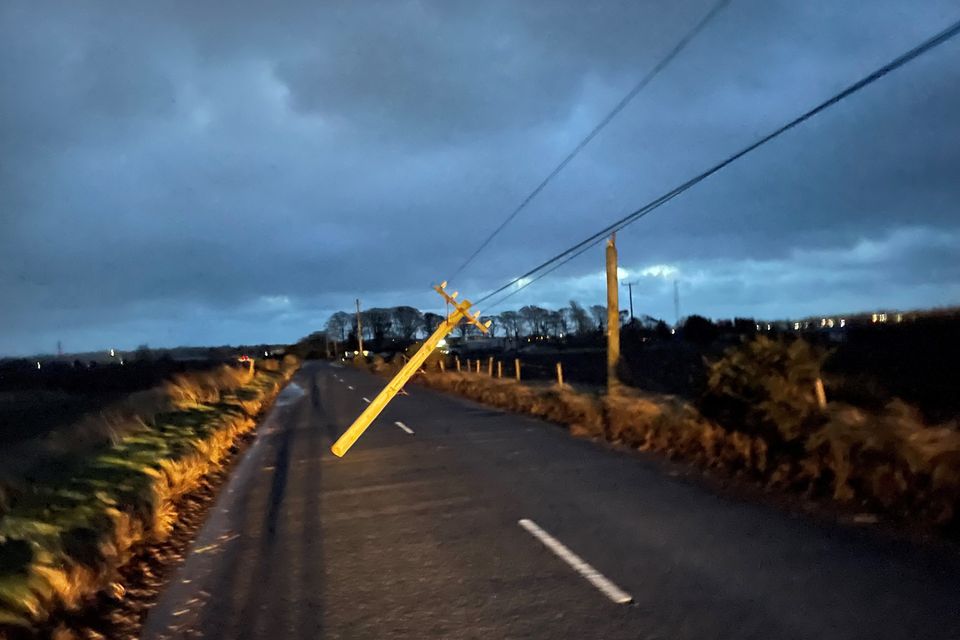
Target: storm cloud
209, 173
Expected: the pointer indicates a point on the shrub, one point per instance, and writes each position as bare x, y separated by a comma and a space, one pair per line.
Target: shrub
766, 388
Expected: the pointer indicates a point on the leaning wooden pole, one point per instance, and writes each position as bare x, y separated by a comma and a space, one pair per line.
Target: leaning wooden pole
355, 430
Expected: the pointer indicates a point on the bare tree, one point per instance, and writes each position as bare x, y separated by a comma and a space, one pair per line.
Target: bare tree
555, 323
377, 322
338, 324
431, 321
599, 313
494, 324
406, 321
511, 323
536, 318
580, 319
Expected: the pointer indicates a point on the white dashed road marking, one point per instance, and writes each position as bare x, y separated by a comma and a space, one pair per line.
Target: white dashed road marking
366, 399
595, 578
349, 387
404, 427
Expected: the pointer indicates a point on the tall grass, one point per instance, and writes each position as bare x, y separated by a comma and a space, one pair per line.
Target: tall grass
63, 538
886, 461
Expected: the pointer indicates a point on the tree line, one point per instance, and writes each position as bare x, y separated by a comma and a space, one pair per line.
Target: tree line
409, 323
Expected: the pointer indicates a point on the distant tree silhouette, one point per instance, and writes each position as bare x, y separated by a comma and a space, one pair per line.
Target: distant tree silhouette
745, 326
494, 324
699, 330
580, 319
599, 313
535, 318
512, 323
378, 322
407, 321
431, 321
661, 330
338, 324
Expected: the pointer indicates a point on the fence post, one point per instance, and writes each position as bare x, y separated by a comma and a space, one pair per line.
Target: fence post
478, 366
457, 358
443, 367
499, 368
821, 394
490, 366
516, 368
469, 365
559, 374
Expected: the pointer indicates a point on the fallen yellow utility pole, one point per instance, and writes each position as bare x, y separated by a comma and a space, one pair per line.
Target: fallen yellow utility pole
461, 310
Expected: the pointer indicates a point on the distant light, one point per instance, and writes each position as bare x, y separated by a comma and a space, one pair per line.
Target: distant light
672, 331
875, 317
561, 335
843, 322
38, 364
265, 354
758, 326
768, 326
442, 343
899, 317
365, 352
796, 326
113, 353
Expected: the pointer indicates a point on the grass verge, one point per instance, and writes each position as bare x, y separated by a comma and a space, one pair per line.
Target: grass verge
887, 462
62, 539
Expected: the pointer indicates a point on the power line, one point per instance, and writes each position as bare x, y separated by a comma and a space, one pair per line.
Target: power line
632, 217
529, 282
660, 66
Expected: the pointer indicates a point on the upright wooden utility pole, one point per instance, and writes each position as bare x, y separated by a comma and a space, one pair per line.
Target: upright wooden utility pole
359, 330
613, 316
630, 289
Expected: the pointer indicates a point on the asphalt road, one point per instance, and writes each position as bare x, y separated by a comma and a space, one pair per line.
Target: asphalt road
418, 535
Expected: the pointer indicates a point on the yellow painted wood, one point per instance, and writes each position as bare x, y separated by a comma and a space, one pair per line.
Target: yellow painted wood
377, 405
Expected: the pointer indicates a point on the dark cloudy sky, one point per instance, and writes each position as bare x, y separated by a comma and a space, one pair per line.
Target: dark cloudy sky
207, 173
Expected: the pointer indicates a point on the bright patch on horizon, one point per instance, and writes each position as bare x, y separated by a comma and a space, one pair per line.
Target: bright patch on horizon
660, 271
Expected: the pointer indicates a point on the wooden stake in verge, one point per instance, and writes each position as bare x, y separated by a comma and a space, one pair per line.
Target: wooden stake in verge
457, 358
821, 394
490, 366
516, 368
559, 374
499, 368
